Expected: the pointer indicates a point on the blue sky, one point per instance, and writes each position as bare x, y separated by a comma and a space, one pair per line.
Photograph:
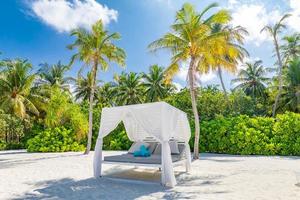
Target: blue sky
38, 30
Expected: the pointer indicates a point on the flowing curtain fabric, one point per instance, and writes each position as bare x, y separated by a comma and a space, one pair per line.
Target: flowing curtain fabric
159, 120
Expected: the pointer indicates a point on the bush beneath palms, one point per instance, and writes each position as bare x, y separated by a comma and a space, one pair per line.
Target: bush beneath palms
252, 135
57, 139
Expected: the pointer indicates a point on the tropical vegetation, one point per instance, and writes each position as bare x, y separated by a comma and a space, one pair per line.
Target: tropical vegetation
45, 110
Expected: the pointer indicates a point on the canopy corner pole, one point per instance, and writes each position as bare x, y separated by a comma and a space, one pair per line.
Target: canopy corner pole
188, 157
98, 158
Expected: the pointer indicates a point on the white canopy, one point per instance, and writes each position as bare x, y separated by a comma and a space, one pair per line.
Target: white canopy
157, 120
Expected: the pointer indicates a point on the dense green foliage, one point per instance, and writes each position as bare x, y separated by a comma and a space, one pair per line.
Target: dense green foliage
252, 135
57, 139
212, 102
61, 111
117, 140
12, 130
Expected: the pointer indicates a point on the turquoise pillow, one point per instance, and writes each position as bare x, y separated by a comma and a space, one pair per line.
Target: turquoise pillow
143, 152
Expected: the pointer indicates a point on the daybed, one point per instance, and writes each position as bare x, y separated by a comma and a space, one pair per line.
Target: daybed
159, 121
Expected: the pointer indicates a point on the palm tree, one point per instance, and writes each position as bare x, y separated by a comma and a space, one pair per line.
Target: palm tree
156, 89
83, 86
274, 31
291, 94
235, 52
16, 84
252, 80
291, 47
96, 49
106, 94
129, 89
191, 40
54, 75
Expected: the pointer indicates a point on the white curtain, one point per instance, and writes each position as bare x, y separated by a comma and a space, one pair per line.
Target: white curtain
167, 175
159, 120
110, 119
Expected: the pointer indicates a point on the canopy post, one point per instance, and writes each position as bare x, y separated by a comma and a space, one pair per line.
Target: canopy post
98, 157
188, 157
167, 175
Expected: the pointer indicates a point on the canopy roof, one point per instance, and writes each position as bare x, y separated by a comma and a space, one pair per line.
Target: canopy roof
159, 120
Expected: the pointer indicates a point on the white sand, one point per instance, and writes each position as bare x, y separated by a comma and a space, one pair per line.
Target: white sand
69, 176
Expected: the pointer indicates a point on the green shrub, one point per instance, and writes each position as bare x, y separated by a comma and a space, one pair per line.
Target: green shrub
14, 145
117, 141
10, 145
2, 145
287, 134
57, 139
256, 135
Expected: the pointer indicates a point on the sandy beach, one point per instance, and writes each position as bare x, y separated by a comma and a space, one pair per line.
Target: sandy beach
70, 176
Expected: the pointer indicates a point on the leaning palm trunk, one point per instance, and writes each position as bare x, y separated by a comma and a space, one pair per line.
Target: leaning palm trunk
91, 101
193, 91
222, 82
279, 78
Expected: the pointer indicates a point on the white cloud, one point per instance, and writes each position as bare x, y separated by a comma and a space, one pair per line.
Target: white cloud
182, 74
207, 77
178, 86
294, 20
203, 78
64, 15
232, 2
253, 17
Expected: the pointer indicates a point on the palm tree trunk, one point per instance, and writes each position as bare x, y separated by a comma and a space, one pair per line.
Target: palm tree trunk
193, 91
91, 101
279, 77
222, 83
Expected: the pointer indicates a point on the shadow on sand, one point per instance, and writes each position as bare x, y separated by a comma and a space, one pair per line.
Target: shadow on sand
9, 163
107, 188
102, 188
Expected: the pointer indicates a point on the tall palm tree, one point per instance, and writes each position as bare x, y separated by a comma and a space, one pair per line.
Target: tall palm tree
274, 31
16, 84
191, 40
291, 47
252, 80
156, 88
291, 94
54, 75
234, 51
129, 89
96, 49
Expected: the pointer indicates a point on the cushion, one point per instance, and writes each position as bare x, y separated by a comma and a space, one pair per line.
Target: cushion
173, 147
143, 152
136, 146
